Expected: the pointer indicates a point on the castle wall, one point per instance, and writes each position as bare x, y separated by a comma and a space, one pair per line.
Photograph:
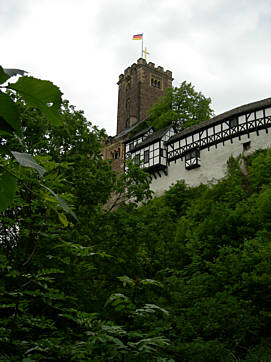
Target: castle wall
213, 163
114, 151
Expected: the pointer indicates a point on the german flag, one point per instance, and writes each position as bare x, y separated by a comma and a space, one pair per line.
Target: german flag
137, 37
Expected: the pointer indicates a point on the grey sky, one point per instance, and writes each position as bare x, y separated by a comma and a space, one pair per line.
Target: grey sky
222, 46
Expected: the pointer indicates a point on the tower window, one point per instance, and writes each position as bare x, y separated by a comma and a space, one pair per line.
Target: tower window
115, 154
156, 82
128, 106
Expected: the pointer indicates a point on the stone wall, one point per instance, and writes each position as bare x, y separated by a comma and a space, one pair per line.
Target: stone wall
140, 87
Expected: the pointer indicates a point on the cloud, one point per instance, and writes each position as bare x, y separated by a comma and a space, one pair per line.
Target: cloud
222, 46
11, 12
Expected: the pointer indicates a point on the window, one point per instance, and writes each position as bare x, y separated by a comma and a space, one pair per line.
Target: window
192, 160
161, 152
192, 154
233, 122
131, 146
156, 82
146, 156
128, 105
246, 146
115, 154
137, 158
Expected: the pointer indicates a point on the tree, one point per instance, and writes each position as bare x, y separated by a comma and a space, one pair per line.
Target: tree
182, 106
50, 156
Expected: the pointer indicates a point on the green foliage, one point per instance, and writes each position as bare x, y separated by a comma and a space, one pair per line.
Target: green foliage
209, 247
40, 94
50, 259
35, 93
182, 106
182, 277
9, 111
7, 190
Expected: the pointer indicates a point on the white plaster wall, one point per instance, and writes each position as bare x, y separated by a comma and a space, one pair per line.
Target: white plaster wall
213, 163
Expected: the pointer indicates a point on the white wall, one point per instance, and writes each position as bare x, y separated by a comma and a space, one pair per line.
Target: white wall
213, 163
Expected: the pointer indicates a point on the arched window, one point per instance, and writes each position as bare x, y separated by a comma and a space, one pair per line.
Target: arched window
156, 82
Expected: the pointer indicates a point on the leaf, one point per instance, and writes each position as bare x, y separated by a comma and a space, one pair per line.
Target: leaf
4, 133
12, 71
26, 160
9, 111
151, 282
40, 94
61, 202
121, 298
3, 75
5, 127
63, 219
151, 308
126, 280
7, 190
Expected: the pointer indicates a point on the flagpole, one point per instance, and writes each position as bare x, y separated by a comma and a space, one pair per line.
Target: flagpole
142, 47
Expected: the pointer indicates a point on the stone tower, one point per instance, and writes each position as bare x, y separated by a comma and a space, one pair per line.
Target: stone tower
140, 87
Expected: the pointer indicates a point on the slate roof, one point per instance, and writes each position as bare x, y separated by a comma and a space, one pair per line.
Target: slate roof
127, 130
217, 119
155, 136
139, 134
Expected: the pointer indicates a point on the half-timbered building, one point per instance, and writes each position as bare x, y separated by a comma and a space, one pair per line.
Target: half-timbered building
149, 149
199, 154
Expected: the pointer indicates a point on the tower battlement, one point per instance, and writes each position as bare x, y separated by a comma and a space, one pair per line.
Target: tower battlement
140, 86
142, 62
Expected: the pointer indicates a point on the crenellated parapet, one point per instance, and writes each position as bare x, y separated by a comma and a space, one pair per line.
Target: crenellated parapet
140, 86
142, 63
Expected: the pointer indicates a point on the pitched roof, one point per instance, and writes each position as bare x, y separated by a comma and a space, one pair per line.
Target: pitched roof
127, 130
155, 136
217, 119
141, 133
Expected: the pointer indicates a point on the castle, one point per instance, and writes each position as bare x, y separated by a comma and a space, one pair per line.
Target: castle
198, 154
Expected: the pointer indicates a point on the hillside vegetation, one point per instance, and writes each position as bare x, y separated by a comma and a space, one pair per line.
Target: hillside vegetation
210, 249
183, 277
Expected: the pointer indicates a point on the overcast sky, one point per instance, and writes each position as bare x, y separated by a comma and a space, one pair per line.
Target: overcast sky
223, 47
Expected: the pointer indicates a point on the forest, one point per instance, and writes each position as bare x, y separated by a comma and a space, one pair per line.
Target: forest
181, 277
